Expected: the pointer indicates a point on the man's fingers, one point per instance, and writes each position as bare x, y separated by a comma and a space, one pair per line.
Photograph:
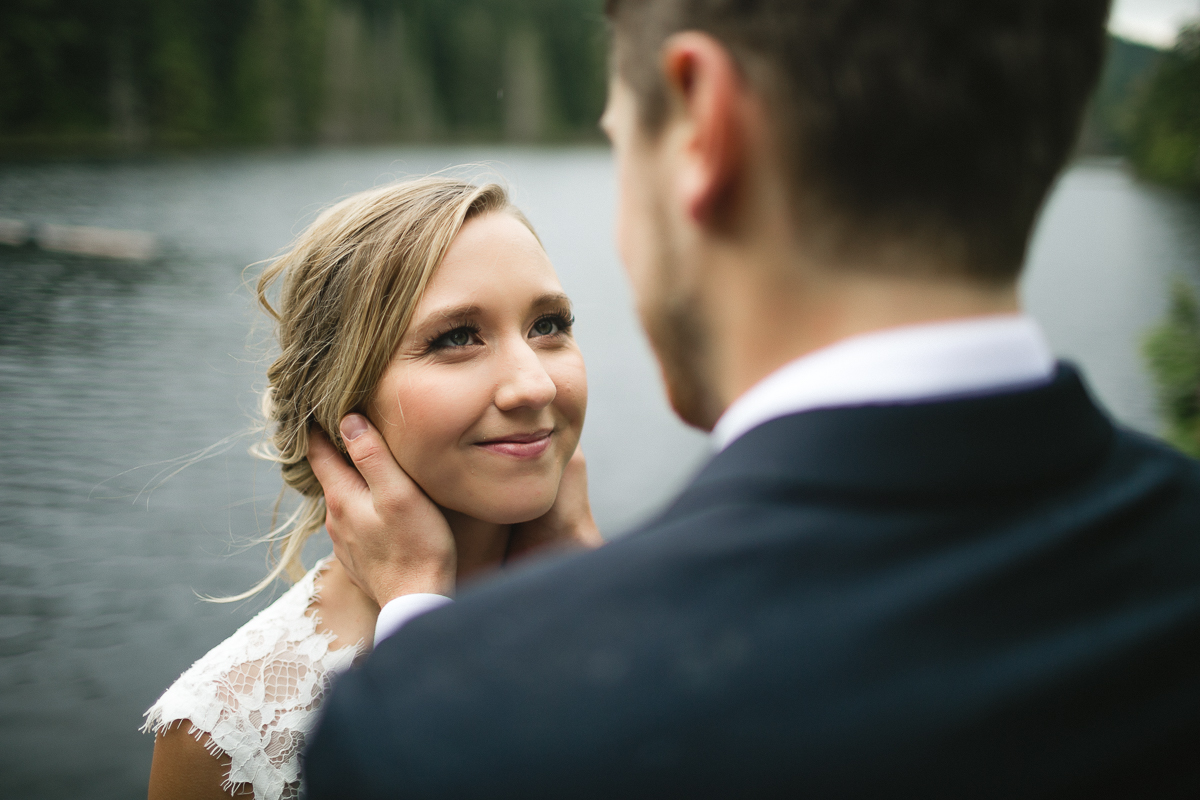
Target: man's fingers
338, 479
575, 474
575, 482
388, 483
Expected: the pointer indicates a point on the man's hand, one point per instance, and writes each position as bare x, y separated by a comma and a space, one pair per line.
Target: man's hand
386, 532
569, 521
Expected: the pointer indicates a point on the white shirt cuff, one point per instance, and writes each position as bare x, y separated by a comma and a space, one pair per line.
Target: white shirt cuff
397, 612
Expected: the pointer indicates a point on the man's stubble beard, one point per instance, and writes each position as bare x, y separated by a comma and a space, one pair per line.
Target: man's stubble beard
674, 322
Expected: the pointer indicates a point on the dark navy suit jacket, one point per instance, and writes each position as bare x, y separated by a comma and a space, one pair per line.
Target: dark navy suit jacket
988, 597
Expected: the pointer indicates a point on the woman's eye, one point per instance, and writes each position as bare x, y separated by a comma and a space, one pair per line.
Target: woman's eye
545, 327
552, 325
459, 337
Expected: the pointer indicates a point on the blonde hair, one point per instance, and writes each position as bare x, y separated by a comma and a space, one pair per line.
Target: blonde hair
350, 284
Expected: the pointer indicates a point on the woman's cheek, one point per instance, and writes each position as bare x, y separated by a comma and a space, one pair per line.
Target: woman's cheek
570, 379
437, 420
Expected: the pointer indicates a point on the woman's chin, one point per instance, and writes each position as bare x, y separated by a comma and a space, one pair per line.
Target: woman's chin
516, 515
500, 502
506, 513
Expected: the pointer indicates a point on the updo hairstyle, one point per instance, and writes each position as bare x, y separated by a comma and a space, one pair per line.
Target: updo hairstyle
349, 286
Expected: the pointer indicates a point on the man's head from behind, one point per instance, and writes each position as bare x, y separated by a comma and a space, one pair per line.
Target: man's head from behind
906, 136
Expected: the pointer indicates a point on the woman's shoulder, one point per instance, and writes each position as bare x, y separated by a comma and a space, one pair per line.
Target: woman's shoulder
254, 695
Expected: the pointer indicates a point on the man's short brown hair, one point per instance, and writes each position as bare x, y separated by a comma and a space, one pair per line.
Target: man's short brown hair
940, 122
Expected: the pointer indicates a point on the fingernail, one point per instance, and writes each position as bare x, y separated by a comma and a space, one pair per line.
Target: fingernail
353, 426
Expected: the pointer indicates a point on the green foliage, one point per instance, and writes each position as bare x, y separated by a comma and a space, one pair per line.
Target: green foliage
1173, 352
277, 75
185, 108
180, 73
45, 46
1128, 68
1165, 143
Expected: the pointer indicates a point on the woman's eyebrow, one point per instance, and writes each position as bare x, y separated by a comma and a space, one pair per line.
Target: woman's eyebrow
552, 299
444, 313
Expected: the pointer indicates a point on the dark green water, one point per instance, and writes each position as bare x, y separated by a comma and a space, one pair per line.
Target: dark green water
108, 369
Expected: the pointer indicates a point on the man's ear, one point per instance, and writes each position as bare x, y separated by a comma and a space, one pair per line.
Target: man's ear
708, 95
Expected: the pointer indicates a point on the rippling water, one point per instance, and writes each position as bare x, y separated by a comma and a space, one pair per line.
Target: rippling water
109, 371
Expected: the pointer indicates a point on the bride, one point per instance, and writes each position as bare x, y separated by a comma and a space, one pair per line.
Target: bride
430, 307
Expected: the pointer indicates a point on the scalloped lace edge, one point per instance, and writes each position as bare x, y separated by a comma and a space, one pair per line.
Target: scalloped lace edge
277, 663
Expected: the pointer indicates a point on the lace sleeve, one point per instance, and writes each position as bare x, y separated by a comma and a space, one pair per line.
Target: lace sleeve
256, 694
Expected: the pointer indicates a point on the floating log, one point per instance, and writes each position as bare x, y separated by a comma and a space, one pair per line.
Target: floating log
101, 242
80, 240
15, 232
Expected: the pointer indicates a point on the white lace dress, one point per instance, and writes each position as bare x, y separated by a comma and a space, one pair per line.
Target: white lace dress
256, 694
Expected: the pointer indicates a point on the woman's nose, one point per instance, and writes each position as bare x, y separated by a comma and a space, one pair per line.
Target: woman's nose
525, 384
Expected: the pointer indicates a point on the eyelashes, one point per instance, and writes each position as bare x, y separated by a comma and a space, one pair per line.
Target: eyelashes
446, 339
464, 333
563, 318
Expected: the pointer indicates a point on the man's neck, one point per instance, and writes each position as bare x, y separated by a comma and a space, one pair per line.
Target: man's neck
763, 321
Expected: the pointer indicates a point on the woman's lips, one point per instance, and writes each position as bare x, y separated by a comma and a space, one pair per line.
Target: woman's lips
519, 445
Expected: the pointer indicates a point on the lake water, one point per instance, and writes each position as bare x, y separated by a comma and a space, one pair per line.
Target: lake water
110, 372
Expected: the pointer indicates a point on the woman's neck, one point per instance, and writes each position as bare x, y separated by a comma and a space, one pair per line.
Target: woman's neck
481, 545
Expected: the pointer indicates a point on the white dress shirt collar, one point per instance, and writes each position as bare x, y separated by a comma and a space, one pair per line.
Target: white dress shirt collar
914, 363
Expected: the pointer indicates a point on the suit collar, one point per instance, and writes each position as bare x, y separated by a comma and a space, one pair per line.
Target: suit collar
1015, 440
907, 364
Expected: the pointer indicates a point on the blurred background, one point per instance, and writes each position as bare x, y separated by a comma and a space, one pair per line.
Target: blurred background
133, 75
151, 149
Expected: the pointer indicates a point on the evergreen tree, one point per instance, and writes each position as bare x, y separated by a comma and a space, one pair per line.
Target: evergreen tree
1173, 353
182, 73
1166, 138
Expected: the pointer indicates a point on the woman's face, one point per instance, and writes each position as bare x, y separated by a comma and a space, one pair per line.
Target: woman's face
483, 402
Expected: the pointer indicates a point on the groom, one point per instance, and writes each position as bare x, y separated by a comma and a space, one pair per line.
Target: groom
921, 563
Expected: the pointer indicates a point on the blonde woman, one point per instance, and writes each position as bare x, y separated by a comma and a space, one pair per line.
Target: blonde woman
430, 308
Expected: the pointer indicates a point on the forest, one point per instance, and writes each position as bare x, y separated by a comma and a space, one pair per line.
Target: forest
1164, 132
137, 74
81, 76
1158, 128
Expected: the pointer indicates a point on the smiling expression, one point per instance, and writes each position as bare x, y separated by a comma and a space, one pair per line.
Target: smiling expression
483, 402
